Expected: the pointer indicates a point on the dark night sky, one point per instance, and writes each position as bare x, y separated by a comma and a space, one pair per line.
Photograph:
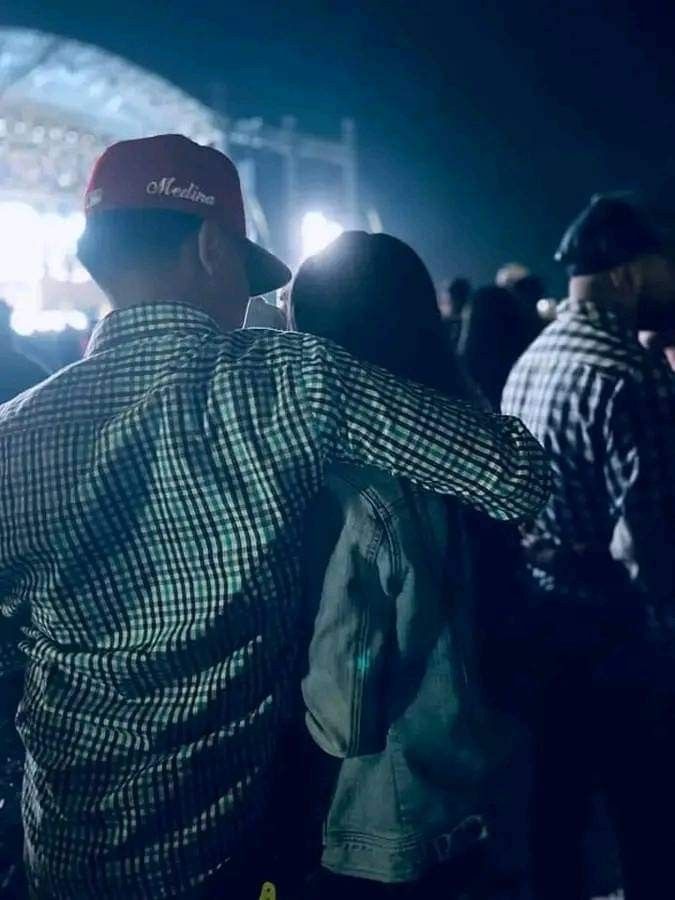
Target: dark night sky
483, 126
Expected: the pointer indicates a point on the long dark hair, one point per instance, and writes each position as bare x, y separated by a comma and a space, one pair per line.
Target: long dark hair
373, 295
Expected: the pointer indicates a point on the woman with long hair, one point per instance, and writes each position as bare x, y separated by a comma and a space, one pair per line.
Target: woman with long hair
392, 688
373, 295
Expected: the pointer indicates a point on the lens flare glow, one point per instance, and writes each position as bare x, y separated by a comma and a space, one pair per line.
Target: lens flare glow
318, 232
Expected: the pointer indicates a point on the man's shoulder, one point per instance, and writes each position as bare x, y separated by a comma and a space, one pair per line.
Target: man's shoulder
45, 401
565, 364
590, 373
262, 340
266, 347
573, 344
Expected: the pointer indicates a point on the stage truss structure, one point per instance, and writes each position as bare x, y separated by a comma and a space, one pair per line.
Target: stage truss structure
62, 102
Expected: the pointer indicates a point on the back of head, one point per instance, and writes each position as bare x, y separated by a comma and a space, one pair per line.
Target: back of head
621, 250
510, 273
612, 230
135, 240
165, 222
372, 294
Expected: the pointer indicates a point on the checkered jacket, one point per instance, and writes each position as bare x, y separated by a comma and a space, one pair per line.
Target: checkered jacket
604, 409
151, 506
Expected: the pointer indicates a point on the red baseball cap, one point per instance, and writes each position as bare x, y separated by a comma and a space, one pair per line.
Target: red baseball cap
171, 172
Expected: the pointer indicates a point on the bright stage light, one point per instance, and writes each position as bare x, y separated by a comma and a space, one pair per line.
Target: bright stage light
60, 235
77, 320
33, 245
38, 266
27, 321
318, 232
21, 248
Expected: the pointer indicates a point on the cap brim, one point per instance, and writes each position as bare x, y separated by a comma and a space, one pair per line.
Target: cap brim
265, 271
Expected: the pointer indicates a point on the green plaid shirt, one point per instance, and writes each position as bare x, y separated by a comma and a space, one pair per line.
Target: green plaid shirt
151, 505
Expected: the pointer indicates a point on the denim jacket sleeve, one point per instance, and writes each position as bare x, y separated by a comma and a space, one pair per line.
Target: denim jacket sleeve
352, 575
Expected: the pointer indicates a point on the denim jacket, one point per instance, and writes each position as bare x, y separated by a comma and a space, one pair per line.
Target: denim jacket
390, 686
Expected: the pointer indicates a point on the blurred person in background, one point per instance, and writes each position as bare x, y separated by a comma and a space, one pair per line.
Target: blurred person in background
529, 291
152, 500
502, 321
510, 274
17, 371
453, 304
393, 688
459, 291
603, 550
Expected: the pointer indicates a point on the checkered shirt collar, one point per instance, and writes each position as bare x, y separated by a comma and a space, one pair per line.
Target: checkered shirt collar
148, 320
607, 316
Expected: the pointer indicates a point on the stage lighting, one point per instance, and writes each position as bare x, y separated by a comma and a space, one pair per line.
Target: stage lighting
318, 232
27, 321
21, 250
60, 235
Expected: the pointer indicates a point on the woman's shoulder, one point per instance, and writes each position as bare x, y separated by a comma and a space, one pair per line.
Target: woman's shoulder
365, 482
379, 493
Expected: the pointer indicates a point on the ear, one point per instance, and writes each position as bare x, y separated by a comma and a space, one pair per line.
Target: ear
212, 249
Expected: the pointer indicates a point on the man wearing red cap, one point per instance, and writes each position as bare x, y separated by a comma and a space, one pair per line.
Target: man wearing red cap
151, 503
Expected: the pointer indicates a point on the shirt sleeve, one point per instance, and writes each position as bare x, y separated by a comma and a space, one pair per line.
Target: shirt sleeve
639, 473
362, 414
